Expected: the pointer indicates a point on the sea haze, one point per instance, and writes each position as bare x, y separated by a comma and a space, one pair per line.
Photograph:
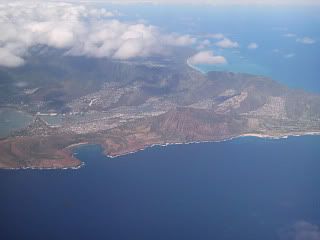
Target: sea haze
243, 189
275, 30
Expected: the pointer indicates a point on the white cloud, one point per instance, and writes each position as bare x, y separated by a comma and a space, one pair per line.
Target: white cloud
253, 45
289, 55
306, 40
289, 35
215, 35
79, 30
130, 48
227, 43
216, 2
177, 40
206, 57
302, 230
7, 59
204, 44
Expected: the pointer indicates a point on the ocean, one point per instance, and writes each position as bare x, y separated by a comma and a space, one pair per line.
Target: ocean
12, 120
246, 188
276, 31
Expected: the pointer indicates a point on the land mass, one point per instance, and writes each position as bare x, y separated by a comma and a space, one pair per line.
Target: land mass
129, 106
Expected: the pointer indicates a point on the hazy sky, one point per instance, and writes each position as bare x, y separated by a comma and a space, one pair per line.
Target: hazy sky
27, 24
211, 2
216, 2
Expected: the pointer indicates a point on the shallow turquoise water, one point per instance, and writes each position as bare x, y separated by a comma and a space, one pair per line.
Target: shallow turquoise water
279, 57
11, 120
244, 189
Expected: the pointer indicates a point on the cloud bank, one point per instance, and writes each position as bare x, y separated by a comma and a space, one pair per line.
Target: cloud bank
217, 2
79, 30
206, 57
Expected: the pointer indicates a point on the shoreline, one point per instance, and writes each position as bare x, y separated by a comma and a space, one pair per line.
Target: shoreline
76, 145
255, 135
260, 136
226, 70
195, 68
44, 168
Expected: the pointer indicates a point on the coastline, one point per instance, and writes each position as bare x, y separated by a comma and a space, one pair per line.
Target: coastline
195, 68
72, 146
261, 136
68, 151
255, 135
44, 168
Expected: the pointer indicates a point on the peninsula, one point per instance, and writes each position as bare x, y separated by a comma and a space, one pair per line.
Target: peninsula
128, 106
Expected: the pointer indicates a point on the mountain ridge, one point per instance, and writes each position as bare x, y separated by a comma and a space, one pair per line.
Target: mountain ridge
170, 103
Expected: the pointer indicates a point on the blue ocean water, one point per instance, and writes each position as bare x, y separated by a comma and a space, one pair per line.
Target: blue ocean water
245, 189
279, 57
